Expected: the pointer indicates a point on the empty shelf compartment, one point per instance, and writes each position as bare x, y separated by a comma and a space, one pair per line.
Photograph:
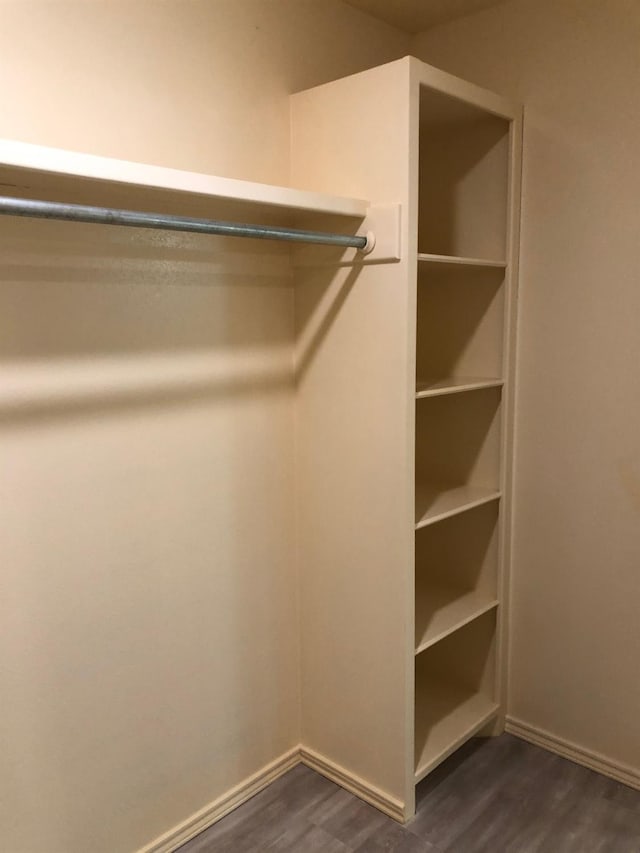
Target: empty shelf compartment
457, 453
455, 692
464, 179
454, 385
460, 325
456, 573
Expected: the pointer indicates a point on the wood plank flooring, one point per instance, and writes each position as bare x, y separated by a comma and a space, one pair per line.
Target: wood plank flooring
500, 795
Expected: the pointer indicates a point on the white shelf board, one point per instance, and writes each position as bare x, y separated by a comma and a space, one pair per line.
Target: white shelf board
435, 503
442, 610
26, 170
454, 385
446, 717
452, 260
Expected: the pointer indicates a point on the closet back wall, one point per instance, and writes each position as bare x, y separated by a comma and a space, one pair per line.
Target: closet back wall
576, 581
148, 622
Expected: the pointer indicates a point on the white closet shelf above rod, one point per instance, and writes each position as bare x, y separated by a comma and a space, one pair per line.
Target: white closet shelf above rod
53, 183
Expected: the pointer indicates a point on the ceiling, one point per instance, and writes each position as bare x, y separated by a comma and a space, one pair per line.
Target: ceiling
417, 15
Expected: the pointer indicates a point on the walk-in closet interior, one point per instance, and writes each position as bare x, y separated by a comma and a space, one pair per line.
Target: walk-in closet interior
318, 402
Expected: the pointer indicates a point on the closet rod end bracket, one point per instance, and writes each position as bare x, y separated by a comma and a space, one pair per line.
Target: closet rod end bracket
381, 227
370, 245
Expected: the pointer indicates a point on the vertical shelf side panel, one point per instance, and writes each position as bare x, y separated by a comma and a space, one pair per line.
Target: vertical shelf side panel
355, 351
508, 413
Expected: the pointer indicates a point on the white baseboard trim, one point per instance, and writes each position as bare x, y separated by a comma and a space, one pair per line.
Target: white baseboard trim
204, 818
374, 796
593, 760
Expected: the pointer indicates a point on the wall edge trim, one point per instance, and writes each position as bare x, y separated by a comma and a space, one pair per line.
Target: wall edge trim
354, 784
218, 808
580, 755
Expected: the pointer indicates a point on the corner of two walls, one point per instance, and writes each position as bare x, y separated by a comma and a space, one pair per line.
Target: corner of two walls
575, 588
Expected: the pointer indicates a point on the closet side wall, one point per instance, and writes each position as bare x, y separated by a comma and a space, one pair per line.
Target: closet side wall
148, 617
576, 586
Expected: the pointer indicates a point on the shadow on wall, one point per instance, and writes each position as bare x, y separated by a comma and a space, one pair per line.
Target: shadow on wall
96, 319
318, 304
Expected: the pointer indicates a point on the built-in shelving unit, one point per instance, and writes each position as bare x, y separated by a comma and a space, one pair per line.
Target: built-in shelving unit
398, 524
460, 439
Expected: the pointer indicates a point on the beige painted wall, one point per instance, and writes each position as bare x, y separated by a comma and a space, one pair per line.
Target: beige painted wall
148, 625
195, 84
576, 634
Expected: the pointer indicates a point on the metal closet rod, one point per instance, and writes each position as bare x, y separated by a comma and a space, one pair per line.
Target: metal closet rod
137, 219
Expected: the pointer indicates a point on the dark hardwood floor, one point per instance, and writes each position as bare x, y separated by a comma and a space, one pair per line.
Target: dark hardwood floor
500, 795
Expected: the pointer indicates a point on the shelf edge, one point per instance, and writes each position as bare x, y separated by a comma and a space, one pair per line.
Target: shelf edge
476, 614
459, 260
460, 389
425, 522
